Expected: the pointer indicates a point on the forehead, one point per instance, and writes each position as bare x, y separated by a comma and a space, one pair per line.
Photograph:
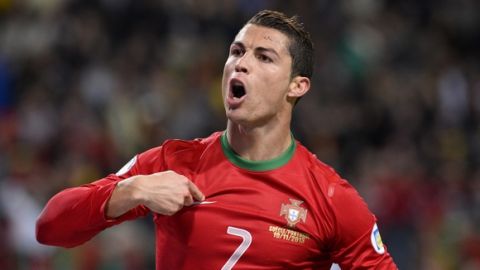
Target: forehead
253, 36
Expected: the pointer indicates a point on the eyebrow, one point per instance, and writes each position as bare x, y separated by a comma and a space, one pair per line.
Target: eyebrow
259, 49
262, 49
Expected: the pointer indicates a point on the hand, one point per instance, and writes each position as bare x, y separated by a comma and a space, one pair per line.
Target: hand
163, 193
167, 192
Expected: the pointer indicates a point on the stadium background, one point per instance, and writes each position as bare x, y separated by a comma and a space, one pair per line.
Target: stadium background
395, 108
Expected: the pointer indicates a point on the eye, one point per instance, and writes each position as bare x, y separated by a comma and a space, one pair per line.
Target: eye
264, 58
236, 51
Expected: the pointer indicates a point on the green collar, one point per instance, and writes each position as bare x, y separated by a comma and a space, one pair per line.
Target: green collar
264, 165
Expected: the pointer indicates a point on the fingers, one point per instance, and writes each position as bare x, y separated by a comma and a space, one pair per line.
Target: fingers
188, 200
169, 192
195, 191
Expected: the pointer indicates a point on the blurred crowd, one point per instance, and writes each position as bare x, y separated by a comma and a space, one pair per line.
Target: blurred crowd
395, 108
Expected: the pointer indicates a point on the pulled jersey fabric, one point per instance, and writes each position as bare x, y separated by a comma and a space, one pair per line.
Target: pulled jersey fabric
293, 212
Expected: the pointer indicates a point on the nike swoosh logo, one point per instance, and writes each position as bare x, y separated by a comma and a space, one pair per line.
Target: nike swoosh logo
203, 202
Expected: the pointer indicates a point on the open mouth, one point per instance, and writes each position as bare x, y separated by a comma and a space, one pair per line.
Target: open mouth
237, 89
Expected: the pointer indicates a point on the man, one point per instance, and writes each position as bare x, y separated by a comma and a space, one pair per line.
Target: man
250, 197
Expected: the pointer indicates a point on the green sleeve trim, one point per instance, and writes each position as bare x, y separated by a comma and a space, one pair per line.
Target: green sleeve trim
264, 165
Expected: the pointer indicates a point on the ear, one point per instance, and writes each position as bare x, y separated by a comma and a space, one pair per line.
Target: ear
298, 87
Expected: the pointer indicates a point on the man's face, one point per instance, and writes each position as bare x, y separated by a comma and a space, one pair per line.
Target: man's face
256, 76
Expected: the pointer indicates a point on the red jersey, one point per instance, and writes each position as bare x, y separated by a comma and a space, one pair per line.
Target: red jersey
293, 212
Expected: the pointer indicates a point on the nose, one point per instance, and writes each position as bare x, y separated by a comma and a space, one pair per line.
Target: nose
242, 64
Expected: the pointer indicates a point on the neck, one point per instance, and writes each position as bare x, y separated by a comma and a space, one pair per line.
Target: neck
259, 143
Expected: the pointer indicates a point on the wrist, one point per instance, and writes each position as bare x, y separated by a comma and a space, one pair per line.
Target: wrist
130, 187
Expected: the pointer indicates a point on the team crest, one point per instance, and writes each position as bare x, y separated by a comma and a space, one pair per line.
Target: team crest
293, 212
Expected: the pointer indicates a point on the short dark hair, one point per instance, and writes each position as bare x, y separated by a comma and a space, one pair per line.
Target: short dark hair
301, 45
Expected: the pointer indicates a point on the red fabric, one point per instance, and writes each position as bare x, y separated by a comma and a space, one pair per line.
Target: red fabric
337, 227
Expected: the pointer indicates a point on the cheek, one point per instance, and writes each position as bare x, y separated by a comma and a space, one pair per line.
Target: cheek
277, 89
229, 66
277, 84
227, 70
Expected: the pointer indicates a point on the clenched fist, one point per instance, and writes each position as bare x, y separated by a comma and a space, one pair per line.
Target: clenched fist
163, 193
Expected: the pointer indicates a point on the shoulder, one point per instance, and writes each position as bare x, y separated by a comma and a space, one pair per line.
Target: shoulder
172, 151
322, 172
172, 146
179, 153
347, 211
176, 146
336, 188
338, 193
326, 184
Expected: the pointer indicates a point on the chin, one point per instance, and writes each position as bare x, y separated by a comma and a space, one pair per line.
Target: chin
233, 116
237, 118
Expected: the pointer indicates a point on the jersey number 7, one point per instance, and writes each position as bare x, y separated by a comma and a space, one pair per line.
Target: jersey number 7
246, 241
